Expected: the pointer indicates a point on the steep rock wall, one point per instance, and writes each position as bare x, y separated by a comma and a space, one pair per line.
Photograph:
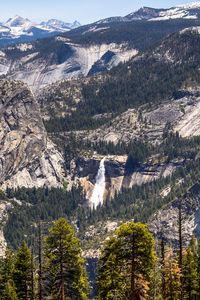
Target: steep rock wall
27, 157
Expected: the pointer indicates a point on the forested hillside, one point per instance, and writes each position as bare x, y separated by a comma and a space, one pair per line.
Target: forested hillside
100, 162
151, 78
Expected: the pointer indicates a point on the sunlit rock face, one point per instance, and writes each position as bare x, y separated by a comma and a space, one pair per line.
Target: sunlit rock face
164, 224
27, 157
90, 172
4, 208
39, 64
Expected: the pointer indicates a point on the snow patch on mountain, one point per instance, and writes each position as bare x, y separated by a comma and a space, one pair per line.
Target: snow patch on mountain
57, 25
17, 27
2, 54
192, 5
185, 11
24, 47
95, 29
195, 29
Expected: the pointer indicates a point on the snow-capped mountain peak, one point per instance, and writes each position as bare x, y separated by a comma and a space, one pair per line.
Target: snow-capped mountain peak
76, 24
22, 29
192, 5
184, 11
54, 24
17, 21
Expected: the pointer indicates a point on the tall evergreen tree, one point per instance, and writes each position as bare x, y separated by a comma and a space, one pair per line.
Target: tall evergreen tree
190, 275
9, 292
180, 243
126, 263
40, 279
7, 286
198, 265
7, 267
163, 269
172, 275
22, 274
65, 271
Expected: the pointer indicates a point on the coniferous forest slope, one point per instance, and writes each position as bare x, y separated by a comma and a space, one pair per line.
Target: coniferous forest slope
100, 135
152, 78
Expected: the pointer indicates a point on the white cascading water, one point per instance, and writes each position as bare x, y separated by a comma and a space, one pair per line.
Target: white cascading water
99, 188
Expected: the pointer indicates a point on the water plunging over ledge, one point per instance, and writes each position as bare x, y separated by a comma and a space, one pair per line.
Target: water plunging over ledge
99, 188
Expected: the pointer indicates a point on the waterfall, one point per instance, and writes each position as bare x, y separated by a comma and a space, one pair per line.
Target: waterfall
99, 188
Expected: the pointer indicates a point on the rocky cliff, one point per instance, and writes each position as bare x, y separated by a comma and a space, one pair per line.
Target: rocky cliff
44, 62
27, 157
164, 224
117, 176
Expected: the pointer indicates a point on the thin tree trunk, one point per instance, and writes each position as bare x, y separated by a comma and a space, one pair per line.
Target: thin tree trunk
133, 296
32, 277
180, 235
40, 292
163, 269
26, 290
170, 277
62, 272
180, 245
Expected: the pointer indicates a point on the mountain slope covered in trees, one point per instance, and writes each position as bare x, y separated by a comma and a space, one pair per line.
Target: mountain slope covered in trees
134, 126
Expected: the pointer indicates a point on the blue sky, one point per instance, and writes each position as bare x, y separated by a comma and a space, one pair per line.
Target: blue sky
85, 11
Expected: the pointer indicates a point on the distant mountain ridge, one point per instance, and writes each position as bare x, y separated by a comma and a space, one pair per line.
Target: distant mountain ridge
18, 29
185, 11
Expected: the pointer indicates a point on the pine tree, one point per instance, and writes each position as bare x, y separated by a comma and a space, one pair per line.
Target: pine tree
7, 286
40, 279
163, 269
22, 272
65, 272
156, 280
180, 243
9, 292
190, 275
110, 280
172, 274
126, 263
7, 267
198, 265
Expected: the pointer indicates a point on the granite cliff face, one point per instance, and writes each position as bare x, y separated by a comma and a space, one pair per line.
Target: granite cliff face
27, 157
117, 176
164, 224
45, 62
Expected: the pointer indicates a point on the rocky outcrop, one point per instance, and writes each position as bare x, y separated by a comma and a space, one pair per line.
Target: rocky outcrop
4, 208
149, 123
44, 170
27, 157
164, 224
